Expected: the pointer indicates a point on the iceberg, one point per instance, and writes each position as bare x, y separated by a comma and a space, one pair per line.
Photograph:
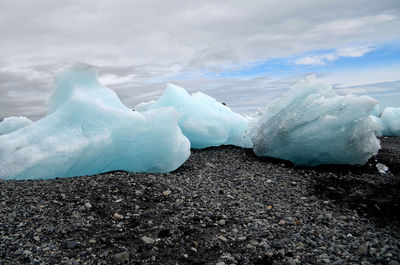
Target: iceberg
390, 121
311, 125
376, 111
202, 119
144, 106
89, 131
13, 123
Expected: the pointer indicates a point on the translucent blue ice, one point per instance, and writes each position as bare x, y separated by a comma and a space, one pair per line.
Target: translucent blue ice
376, 111
311, 125
390, 121
88, 131
13, 123
204, 120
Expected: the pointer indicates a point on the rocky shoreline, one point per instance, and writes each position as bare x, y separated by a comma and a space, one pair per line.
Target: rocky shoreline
223, 206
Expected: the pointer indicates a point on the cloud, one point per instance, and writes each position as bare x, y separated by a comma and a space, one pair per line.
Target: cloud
351, 51
140, 44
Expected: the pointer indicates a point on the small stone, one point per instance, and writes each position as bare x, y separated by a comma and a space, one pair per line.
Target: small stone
148, 240
166, 192
222, 222
328, 215
298, 222
193, 249
235, 231
138, 193
282, 222
242, 238
118, 216
291, 261
363, 249
36, 238
27, 252
220, 263
71, 244
222, 238
88, 205
269, 207
121, 257
92, 241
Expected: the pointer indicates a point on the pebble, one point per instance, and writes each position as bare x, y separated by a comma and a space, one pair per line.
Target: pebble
71, 244
121, 257
222, 238
118, 217
363, 249
27, 252
166, 192
88, 206
282, 222
222, 222
148, 240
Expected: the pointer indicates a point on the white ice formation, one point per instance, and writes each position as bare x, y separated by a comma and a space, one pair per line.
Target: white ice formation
311, 125
376, 111
88, 131
390, 121
13, 123
204, 120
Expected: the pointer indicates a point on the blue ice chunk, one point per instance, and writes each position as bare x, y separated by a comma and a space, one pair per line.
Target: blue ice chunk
379, 127
204, 120
376, 111
311, 125
13, 123
89, 131
390, 121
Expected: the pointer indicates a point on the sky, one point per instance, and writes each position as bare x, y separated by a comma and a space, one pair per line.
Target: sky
243, 53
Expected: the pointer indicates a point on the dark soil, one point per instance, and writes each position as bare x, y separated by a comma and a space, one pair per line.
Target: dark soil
223, 206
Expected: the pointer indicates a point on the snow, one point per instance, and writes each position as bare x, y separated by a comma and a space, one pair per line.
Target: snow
89, 131
13, 123
390, 121
311, 125
204, 120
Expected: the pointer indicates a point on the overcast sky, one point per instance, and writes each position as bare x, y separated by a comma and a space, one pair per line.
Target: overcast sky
244, 53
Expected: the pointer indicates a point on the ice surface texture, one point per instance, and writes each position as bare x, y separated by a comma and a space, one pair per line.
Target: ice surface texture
11, 124
311, 125
390, 121
204, 120
88, 131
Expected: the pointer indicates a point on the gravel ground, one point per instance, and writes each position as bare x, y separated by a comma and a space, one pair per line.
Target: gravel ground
223, 206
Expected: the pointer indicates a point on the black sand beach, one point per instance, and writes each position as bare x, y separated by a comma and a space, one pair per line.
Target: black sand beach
223, 206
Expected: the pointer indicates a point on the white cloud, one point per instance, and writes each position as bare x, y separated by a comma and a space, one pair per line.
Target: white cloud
350, 51
142, 40
353, 51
